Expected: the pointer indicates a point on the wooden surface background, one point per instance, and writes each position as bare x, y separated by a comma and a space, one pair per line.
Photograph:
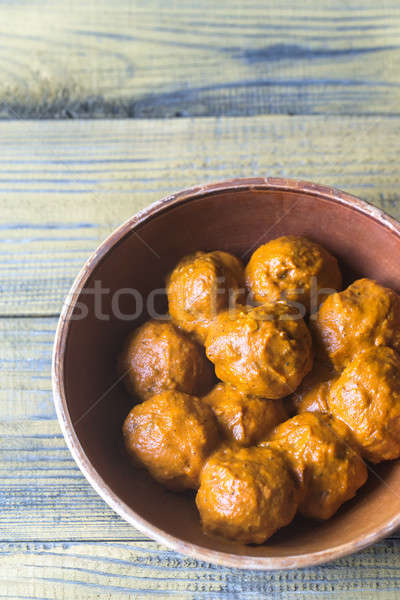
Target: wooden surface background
297, 89
165, 58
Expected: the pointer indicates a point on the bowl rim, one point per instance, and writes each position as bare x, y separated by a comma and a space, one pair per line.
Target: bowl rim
59, 393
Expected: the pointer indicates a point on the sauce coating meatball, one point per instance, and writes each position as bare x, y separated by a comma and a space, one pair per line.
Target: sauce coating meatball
246, 494
367, 398
202, 285
294, 269
159, 357
242, 418
263, 351
365, 314
171, 434
312, 393
314, 399
322, 453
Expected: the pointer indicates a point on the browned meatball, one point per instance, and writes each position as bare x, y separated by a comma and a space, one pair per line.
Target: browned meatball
367, 398
242, 418
294, 269
325, 460
246, 494
202, 285
171, 434
159, 357
263, 351
365, 314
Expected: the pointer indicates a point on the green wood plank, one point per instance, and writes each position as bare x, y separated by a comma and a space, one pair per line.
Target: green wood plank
166, 59
65, 185
43, 495
145, 570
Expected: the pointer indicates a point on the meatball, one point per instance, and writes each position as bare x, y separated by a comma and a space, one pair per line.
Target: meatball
159, 357
323, 455
365, 314
294, 269
246, 494
312, 393
314, 399
367, 398
242, 418
171, 434
263, 351
202, 285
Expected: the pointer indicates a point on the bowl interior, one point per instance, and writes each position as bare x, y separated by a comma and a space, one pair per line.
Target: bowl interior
237, 221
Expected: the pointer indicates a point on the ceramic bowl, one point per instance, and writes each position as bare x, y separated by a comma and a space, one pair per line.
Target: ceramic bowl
91, 404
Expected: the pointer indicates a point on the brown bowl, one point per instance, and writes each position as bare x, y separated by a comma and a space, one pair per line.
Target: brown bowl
236, 216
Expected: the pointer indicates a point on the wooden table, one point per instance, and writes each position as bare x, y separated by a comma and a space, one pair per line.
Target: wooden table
216, 89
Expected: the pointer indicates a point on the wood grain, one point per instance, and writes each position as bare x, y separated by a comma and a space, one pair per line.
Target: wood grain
65, 186
142, 570
166, 59
42, 492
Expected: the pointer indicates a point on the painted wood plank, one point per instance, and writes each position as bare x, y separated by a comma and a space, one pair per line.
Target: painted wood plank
163, 59
141, 570
65, 185
43, 495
